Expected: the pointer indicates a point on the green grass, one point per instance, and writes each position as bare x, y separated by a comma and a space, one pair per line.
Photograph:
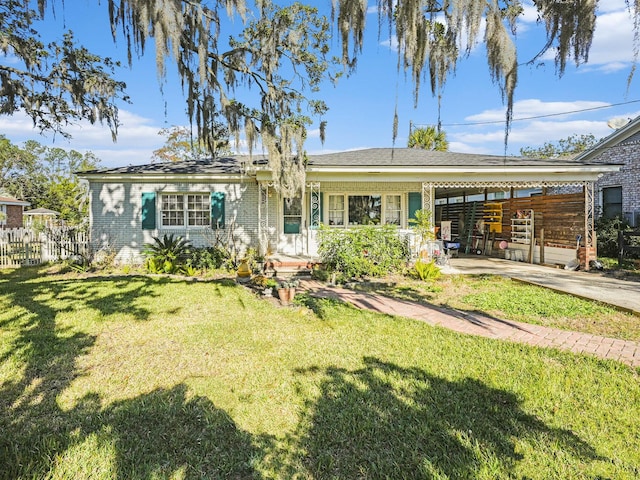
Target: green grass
510, 300
150, 377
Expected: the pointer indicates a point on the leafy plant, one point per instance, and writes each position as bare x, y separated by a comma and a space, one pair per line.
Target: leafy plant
423, 226
210, 258
607, 232
167, 254
426, 271
365, 251
190, 270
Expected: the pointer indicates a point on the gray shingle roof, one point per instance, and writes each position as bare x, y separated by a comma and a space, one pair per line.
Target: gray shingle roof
219, 166
412, 157
373, 157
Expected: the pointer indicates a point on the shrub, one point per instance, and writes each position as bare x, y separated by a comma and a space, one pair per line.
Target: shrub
167, 254
607, 232
209, 258
364, 251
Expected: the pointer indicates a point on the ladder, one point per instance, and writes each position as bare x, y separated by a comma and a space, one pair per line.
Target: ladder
469, 224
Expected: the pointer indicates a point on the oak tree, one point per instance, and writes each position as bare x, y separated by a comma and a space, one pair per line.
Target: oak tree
282, 53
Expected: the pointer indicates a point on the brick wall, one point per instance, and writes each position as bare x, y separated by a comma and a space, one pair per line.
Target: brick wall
14, 216
116, 216
627, 153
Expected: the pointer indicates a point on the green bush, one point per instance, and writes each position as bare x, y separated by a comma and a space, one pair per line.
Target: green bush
364, 251
209, 258
607, 233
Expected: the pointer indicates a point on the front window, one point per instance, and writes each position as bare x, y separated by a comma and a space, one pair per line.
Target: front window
292, 213
392, 212
612, 202
192, 210
371, 209
365, 209
3, 215
336, 210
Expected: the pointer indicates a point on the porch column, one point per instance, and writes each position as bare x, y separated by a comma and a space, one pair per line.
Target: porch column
589, 224
428, 200
263, 217
314, 206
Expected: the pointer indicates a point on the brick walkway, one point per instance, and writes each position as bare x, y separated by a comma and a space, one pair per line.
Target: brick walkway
624, 351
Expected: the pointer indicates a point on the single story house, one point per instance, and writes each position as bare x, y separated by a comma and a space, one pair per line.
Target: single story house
618, 193
11, 210
233, 200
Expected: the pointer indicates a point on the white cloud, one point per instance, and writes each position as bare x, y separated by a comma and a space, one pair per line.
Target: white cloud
534, 107
137, 137
529, 15
613, 39
612, 6
531, 133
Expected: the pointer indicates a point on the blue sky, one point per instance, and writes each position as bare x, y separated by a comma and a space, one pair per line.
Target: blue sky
362, 105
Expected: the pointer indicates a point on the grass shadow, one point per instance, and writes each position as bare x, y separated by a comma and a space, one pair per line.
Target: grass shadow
387, 421
161, 434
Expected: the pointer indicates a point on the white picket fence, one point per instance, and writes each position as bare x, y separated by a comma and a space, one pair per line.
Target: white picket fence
24, 246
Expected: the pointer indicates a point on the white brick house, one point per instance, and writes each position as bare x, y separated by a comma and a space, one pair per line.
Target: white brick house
233, 197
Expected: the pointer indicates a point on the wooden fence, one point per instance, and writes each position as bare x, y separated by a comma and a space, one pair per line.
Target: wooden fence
24, 246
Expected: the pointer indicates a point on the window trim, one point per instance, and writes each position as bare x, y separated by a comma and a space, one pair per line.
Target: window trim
299, 216
602, 202
383, 207
206, 197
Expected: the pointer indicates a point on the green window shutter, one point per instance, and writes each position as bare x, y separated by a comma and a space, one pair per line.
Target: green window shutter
148, 210
217, 210
415, 203
315, 210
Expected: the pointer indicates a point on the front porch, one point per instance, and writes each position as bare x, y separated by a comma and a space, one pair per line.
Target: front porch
527, 221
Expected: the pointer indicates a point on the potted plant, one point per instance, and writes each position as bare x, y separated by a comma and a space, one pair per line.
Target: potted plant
269, 286
283, 292
293, 284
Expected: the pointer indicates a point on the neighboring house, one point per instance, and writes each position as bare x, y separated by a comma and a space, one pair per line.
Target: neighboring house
618, 193
40, 216
11, 212
232, 199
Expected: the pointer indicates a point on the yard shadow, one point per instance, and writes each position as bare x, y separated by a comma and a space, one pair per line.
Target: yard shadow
161, 434
167, 433
387, 421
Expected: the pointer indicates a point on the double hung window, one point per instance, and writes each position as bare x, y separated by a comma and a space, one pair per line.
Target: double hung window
393, 209
188, 209
336, 210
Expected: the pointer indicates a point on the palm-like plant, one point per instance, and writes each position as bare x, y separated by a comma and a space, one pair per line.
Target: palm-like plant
166, 254
423, 226
429, 138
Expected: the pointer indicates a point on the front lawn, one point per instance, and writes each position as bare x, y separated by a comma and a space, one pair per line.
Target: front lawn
511, 300
152, 377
